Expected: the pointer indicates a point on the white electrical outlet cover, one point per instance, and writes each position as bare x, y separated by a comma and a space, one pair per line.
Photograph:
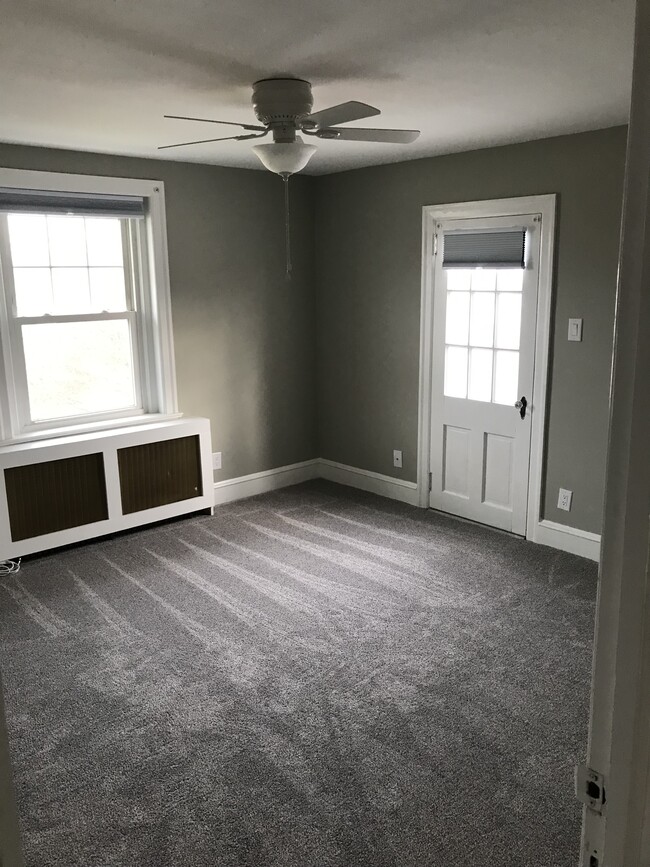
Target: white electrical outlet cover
575, 330
564, 499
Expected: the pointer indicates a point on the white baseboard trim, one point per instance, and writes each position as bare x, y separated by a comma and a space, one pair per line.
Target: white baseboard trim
376, 483
268, 480
570, 539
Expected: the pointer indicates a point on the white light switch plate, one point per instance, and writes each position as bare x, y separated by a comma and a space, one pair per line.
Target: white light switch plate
397, 458
575, 330
216, 461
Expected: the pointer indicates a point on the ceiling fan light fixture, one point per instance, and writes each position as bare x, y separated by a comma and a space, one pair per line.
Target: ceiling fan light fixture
285, 158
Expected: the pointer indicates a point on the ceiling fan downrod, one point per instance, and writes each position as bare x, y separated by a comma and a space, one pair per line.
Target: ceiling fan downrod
287, 223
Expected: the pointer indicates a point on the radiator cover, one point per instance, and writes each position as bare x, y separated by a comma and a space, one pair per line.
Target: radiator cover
156, 474
63, 490
55, 495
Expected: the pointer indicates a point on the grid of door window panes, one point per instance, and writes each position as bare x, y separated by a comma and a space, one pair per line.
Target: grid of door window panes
72, 267
482, 332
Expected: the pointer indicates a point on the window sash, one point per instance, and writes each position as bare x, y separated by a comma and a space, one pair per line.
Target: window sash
15, 385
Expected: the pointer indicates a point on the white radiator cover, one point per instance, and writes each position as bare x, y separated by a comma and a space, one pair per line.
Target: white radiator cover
107, 443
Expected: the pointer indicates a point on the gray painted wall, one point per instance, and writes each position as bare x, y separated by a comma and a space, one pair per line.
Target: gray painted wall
368, 258
245, 337
243, 334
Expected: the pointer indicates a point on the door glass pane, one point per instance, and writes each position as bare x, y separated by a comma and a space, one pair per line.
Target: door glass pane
459, 279
77, 368
455, 371
510, 280
67, 237
508, 320
506, 377
28, 240
481, 331
457, 326
483, 279
480, 374
33, 287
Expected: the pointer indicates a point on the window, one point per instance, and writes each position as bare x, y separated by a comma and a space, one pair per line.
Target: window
85, 304
482, 334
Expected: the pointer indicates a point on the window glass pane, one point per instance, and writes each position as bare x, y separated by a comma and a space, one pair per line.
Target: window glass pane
71, 290
510, 280
481, 330
506, 378
104, 241
67, 240
457, 317
458, 279
77, 368
107, 292
480, 374
455, 371
28, 239
483, 279
33, 288
508, 320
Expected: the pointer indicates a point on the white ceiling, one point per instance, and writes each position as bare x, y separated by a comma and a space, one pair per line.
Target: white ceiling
98, 75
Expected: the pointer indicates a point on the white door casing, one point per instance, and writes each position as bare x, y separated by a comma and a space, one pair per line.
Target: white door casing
619, 730
486, 447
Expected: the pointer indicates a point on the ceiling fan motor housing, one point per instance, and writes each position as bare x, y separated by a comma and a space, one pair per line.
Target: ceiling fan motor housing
280, 103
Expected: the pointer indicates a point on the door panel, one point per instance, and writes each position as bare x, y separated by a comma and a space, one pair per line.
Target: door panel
456, 461
483, 363
498, 454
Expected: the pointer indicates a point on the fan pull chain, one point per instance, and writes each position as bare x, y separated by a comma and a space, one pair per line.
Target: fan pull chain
287, 225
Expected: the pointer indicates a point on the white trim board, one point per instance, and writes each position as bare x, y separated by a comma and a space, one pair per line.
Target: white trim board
319, 468
570, 539
268, 480
365, 480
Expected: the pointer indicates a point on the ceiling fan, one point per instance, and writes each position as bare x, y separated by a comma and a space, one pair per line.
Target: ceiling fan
283, 107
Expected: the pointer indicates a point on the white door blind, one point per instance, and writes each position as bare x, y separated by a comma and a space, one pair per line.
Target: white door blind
488, 249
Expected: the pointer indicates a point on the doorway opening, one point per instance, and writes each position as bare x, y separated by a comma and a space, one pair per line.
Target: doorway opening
486, 307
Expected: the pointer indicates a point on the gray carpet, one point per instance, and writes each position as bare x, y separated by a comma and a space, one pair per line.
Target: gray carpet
311, 677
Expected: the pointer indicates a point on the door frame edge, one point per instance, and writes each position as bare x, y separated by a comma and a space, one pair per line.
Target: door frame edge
546, 205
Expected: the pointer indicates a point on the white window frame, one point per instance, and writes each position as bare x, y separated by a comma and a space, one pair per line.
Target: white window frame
153, 349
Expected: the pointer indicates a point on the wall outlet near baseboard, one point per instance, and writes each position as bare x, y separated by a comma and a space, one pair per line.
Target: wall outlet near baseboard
216, 460
397, 458
564, 499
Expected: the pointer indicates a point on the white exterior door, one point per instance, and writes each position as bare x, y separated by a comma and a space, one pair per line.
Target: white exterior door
484, 324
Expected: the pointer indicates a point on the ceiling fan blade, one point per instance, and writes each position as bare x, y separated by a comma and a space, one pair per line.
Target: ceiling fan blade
342, 113
390, 136
209, 140
209, 120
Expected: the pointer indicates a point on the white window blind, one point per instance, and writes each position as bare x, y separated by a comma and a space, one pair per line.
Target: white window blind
488, 249
70, 204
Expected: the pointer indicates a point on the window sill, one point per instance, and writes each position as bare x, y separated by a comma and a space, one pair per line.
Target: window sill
79, 430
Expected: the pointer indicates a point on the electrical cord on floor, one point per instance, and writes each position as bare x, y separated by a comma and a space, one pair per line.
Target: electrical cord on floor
9, 567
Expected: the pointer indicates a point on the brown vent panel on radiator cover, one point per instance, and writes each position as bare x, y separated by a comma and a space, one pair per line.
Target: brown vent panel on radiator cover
156, 474
55, 495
